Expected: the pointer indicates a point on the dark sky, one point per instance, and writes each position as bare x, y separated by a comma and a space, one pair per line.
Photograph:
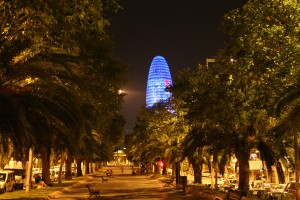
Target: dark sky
184, 32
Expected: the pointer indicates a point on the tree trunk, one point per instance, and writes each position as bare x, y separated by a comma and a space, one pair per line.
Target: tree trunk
29, 171
46, 152
156, 169
164, 170
212, 172
243, 161
62, 161
173, 170
69, 161
197, 167
197, 163
296, 150
177, 166
78, 165
216, 169
97, 166
87, 167
91, 166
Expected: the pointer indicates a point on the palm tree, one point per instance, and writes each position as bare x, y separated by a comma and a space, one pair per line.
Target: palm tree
288, 107
40, 78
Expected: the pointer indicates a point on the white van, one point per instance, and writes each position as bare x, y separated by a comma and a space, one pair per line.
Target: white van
7, 181
19, 177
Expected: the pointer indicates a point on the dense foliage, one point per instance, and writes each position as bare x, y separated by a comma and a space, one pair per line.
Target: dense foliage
59, 79
229, 109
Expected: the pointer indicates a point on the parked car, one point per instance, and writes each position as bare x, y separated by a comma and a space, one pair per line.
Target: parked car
7, 181
290, 187
36, 170
205, 174
233, 183
269, 187
224, 188
277, 196
279, 188
19, 177
257, 192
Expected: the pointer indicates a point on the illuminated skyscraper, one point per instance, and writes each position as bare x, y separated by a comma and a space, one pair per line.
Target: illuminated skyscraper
159, 78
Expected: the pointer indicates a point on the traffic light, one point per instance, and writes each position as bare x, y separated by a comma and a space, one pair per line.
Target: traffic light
162, 164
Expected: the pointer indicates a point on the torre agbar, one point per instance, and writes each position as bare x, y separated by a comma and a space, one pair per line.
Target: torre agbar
159, 78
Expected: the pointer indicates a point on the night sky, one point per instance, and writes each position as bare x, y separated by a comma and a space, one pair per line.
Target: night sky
185, 33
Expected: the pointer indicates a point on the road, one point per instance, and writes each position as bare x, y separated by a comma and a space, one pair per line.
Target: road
125, 186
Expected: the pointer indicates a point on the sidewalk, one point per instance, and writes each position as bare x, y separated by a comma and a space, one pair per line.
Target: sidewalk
120, 186
123, 186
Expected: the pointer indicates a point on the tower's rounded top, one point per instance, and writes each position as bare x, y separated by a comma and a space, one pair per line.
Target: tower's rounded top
158, 57
159, 62
159, 78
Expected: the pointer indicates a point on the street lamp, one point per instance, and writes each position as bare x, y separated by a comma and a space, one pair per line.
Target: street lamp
234, 160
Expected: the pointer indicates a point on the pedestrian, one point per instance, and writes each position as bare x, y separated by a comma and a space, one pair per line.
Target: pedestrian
108, 173
39, 183
252, 184
122, 169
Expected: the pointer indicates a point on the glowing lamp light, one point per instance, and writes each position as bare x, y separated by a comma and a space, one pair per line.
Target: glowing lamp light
161, 164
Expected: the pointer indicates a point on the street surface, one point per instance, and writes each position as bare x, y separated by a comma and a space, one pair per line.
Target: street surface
125, 186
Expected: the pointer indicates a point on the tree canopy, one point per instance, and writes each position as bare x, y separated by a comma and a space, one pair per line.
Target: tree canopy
231, 110
59, 79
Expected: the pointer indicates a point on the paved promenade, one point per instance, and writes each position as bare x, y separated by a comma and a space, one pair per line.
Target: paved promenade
124, 186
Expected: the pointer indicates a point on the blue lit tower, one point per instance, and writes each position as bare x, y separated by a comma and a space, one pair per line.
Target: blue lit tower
159, 78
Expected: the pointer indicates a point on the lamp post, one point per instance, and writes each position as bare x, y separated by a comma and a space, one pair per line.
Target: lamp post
212, 172
29, 171
296, 155
234, 166
117, 156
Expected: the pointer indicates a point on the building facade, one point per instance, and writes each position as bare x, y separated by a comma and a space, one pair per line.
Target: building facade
159, 78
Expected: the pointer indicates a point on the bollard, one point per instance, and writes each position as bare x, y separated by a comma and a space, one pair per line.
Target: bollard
183, 181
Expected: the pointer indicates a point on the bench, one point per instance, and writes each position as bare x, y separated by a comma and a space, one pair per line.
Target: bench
104, 179
169, 181
93, 191
109, 173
